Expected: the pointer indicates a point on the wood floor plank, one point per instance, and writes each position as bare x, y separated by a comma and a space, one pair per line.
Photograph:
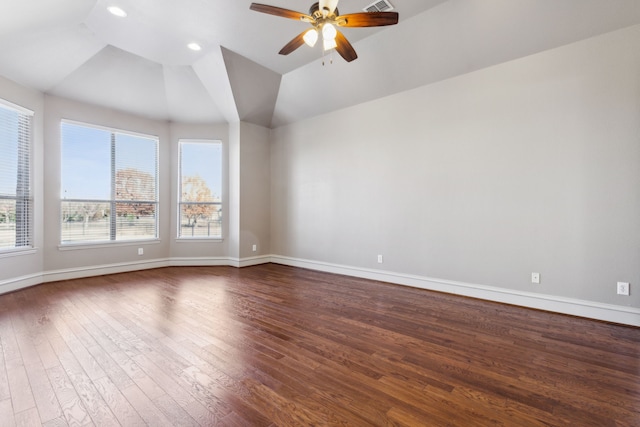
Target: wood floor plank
82, 383
10, 347
149, 412
119, 405
115, 373
28, 352
44, 395
48, 357
21, 392
58, 422
279, 409
137, 375
174, 412
202, 415
273, 345
87, 362
5, 393
6, 409
164, 380
28, 418
73, 409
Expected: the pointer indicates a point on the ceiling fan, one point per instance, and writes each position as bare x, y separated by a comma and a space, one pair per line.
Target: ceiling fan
324, 17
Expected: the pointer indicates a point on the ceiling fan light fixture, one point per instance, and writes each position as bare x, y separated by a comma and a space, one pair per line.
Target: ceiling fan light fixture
329, 31
324, 17
115, 10
328, 44
311, 37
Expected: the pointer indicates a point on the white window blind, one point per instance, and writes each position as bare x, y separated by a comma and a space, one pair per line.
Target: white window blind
200, 200
109, 184
16, 202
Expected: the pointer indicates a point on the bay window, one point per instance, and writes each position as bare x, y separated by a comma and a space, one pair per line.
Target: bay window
109, 184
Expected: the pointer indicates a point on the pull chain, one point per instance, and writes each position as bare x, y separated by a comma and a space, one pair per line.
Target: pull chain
330, 57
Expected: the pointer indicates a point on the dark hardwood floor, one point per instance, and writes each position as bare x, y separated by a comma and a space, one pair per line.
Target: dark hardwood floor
274, 345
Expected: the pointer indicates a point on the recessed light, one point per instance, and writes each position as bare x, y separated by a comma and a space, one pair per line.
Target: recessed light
194, 46
115, 10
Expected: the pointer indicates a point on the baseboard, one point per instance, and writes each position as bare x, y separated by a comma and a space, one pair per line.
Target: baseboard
233, 262
99, 270
199, 261
17, 283
255, 260
575, 307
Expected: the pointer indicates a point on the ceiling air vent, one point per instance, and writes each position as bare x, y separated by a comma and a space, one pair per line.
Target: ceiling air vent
379, 6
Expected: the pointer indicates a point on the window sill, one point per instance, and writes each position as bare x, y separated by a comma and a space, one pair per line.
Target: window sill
102, 245
199, 240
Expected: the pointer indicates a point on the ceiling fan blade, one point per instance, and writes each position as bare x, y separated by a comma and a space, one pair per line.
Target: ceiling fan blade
328, 6
293, 44
344, 48
368, 19
278, 11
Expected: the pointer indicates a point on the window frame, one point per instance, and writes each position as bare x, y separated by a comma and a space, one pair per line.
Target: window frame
28, 199
113, 202
179, 202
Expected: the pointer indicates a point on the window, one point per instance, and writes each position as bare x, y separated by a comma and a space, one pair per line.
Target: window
200, 203
16, 202
109, 185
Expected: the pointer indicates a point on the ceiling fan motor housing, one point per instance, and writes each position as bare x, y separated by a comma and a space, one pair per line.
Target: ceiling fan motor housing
314, 10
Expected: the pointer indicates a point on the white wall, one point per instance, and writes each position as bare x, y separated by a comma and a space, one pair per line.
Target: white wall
528, 166
234, 190
249, 184
255, 191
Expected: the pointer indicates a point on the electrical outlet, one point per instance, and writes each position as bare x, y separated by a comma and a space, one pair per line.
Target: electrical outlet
255, 248
535, 277
140, 251
379, 259
623, 288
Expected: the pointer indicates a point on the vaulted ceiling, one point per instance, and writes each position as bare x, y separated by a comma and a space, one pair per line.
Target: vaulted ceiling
141, 64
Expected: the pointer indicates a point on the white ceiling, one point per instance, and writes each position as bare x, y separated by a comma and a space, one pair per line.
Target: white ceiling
140, 64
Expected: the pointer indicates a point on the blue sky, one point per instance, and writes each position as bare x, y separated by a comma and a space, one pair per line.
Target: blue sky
86, 160
86, 169
204, 160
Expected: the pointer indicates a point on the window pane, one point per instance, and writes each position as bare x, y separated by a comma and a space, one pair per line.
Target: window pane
110, 185
200, 184
16, 205
204, 160
86, 164
9, 150
85, 221
7, 223
135, 221
201, 220
134, 184
136, 160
